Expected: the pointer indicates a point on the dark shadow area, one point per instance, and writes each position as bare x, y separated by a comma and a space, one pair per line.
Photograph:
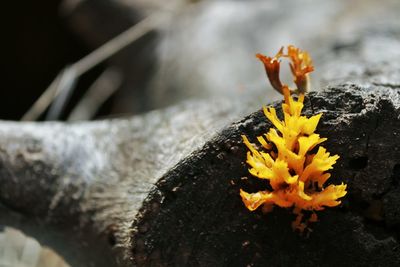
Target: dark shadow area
37, 47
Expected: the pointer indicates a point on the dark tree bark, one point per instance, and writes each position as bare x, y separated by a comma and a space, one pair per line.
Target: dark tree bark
162, 189
195, 217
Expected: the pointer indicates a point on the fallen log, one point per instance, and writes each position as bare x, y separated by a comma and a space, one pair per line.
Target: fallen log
162, 189
102, 187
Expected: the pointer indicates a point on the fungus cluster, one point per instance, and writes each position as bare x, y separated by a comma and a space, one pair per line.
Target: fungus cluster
297, 177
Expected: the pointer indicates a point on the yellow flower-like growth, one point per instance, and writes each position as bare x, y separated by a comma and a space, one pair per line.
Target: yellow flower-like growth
296, 175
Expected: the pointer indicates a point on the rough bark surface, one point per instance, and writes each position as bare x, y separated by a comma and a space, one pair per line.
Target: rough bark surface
161, 189
195, 217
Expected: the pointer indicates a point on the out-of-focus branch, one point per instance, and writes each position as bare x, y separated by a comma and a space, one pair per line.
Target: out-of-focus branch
97, 94
72, 73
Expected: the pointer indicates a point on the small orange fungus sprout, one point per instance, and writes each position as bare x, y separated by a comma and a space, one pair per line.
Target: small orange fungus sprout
297, 177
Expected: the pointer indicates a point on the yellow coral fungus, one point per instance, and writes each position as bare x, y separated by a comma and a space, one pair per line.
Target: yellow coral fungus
296, 175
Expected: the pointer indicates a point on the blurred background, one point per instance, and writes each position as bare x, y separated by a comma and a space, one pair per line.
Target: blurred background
170, 52
187, 49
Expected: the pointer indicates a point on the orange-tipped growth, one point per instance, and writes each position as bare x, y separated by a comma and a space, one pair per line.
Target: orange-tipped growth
297, 176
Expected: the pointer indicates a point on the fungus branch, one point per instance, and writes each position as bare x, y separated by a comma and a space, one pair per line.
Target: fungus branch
297, 176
